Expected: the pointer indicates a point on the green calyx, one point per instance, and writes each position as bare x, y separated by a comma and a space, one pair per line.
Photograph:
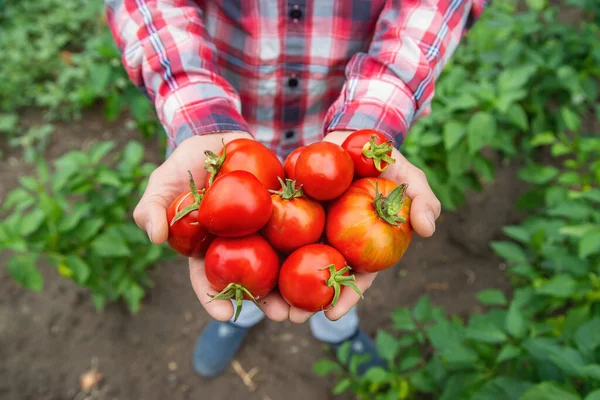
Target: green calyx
213, 163
337, 279
288, 189
378, 153
192, 207
237, 292
387, 208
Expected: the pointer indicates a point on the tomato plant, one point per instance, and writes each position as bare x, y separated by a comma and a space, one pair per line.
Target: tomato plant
296, 220
289, 165
312, 277
370, 224
237, 204
186, 235
325, 170
241, 268
246, 155
371, 152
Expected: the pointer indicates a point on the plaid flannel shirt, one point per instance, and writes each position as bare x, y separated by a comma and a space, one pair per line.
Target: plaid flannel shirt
290, 71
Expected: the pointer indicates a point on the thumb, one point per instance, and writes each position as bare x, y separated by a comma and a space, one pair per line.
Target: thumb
151, 212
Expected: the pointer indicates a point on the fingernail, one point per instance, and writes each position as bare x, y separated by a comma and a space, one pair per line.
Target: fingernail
149, 230
431, 219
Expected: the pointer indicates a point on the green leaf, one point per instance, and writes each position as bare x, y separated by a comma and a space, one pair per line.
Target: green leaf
570, 118
547, 391
518, 117
538, 174
81, 271
590, 244
110, 244
324, 367
595, 395
409, 362
561, 286
510, 251
492, 297
459, 355
569, 178
483, 167
387, 345
513, 79
445, 334
515, 323
485, 331
502, 388
592, 371
592, 194
109, 178
71, 220
133, 297
517, 233
403, 320
429, 139
23, 269
480, 131
343, 352
423, 310
453, 132
376, 375
31, 222
508, 352
459, 385
458, 160
100, 150
422, 381
99, 77
15, 197
8, 122
42, 171
577, 231
542, 139
89, 228
536, 5
342, 386
586, 336
132, 156
28, 182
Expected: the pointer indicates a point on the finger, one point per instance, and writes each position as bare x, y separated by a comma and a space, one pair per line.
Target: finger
274, 307
299, 316
349, 298
221, 310
150, 214
425, 206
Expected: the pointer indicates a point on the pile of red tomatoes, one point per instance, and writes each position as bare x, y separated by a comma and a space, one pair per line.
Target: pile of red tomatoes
303, 227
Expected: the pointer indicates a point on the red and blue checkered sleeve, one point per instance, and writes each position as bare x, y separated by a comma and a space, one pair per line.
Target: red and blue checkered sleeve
392, 85
168, 54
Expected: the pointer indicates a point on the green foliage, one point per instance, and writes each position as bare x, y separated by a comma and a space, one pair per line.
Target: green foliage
524, 83
516, 75
60, 55
77, 218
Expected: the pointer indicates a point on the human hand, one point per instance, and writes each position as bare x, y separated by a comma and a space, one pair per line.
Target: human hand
166, 183
425, 209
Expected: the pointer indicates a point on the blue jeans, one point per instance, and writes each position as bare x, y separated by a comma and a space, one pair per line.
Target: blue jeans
322, 328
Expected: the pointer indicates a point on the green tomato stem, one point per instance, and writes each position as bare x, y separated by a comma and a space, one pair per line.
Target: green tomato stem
288, 189
337, 279
387, 208
378, 153
234, 290
214, 163
192, 207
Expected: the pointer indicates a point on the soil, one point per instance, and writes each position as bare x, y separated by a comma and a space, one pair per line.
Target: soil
48, 339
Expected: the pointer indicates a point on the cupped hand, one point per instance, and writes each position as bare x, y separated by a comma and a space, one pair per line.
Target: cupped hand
425, 209
166, 183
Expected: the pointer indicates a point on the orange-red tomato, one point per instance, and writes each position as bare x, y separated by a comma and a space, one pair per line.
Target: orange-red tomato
296, 220
290, 163
370, 224
325, 170
371, 152
313, 276
245, 155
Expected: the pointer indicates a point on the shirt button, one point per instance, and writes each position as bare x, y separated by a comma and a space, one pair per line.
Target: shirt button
293, 82
289, 134
295, 13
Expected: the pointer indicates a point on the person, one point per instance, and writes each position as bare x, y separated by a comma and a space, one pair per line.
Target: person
285, 73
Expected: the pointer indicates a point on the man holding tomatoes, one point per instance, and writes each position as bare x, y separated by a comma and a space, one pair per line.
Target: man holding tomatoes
287, 74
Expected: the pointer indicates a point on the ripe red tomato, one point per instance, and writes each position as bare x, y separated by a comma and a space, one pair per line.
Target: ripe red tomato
237, 204
324, 170
246, 155
311, 278
370, 224
290, 163
241, 268
371, 152
296, 220
186, 235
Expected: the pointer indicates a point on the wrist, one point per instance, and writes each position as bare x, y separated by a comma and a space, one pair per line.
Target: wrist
337, 137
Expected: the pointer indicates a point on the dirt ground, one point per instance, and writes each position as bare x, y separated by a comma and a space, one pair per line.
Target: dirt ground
48, 339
